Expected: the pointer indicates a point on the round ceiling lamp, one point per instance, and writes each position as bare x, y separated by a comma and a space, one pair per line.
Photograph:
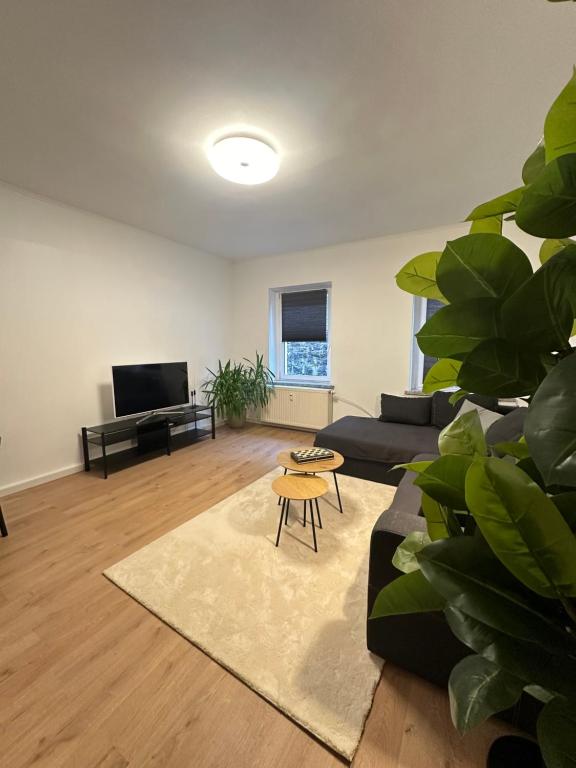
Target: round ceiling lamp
244, 160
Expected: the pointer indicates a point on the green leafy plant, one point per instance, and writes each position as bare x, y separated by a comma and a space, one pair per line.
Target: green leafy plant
236, 387
500, 555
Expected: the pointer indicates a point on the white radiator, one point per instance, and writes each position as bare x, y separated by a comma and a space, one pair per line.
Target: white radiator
299, 407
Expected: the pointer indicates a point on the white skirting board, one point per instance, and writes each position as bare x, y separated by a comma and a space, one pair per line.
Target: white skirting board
30, 482
7, 490
299, 407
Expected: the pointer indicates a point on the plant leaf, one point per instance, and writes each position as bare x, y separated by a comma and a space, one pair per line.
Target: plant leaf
550, 426
566, 504
463, 436
522, 527
518, 450
466, 573
498, 368
481, 266
457, 396
442, 375
492, 224
539, 316
534, 164
539, 693
527, 465
560, 124
548, 207
531, 662
435, 518
479, 689
405, 556
499, 205
550, 247
556, 728
455, 330
414, 466
418, 276
409, 593
444, 480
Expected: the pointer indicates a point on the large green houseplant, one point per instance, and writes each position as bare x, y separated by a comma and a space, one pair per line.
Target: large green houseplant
499, 558
236, 387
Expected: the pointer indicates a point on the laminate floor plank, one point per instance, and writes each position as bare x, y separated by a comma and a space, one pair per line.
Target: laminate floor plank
90, 679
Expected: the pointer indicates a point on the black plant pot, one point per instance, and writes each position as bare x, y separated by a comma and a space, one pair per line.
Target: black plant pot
514, 752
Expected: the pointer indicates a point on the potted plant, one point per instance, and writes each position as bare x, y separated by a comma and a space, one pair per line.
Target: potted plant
236, 387
499, 558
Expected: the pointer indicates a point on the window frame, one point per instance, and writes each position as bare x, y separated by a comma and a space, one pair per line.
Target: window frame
277, 350
419, 312
416, 354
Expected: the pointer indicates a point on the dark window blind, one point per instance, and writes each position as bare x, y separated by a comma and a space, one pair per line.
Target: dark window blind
304, 315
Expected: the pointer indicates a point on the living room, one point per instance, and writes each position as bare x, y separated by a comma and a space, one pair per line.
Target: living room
296, 189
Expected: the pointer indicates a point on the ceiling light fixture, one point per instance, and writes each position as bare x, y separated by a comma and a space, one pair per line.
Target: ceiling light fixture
244, 160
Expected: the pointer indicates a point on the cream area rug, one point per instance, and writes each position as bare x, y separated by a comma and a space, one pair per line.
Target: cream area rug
287, 621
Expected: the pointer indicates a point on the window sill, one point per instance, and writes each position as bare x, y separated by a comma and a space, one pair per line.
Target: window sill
304, 384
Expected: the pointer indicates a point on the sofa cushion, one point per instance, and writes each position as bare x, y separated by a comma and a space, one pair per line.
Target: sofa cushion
405, 410
487, 417
443, 412
359, 437
507, 429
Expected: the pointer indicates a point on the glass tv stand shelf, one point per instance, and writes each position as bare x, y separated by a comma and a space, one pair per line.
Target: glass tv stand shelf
158, 433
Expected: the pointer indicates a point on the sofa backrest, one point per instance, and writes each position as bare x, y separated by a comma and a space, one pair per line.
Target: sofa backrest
405, 410
424, 410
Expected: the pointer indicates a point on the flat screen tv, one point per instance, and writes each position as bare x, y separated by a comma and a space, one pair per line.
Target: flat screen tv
149, 387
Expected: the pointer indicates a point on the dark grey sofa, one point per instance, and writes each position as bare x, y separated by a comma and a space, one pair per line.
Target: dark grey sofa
372, 447
399, 639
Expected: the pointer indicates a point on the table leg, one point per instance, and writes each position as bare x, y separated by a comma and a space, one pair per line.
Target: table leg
104, 457
280, 522
338, 492
313, 526
85, 449
285, 471
304, 520
3, 528
318, 513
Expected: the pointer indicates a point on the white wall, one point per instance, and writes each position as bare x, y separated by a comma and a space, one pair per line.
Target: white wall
78, 294
371, 322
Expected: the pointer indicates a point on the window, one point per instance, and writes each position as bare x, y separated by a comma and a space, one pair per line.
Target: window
420, 363
300, 334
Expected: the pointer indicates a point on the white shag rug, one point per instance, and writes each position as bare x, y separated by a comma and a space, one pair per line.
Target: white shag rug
287, 621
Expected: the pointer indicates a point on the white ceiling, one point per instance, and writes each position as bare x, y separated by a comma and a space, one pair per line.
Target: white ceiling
390, 115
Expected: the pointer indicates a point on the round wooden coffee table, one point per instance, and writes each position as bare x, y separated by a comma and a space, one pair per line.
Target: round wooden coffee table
313, 467
299, 487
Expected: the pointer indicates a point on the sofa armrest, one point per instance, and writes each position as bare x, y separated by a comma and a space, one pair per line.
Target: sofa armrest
390, 530
399, 523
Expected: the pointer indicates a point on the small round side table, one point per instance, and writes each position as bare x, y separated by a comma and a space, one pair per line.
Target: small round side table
299, 487
313, 467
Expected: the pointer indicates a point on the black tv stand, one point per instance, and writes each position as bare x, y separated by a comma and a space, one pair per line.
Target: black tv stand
157, 433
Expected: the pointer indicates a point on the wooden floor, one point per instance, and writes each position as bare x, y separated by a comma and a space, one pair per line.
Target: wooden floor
89, 678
